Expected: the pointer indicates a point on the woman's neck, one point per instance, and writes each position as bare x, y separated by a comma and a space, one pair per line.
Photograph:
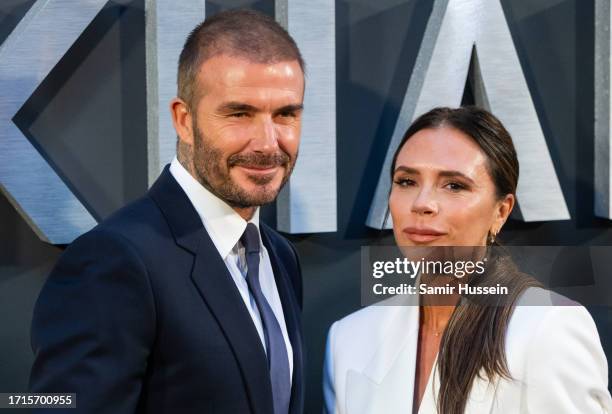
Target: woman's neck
435, 317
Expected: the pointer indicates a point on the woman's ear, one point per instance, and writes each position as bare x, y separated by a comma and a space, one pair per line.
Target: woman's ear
182, 120
503, 209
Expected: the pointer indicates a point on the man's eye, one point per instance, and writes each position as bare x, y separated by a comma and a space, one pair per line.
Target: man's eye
239, 114
287, 114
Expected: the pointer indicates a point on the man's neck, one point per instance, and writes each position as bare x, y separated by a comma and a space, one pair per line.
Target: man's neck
187, 165
246, 213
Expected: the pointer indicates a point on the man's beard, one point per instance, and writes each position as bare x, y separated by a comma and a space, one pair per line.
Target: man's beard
212, 174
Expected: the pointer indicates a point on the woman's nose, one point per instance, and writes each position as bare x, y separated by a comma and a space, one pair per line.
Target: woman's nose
425, 203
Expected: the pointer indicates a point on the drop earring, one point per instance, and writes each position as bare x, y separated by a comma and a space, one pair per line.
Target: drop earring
491, 237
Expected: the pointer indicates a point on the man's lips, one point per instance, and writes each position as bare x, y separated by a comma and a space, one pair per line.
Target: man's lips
260, 169
422, 234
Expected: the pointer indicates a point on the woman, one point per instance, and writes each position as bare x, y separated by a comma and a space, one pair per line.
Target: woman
454, 182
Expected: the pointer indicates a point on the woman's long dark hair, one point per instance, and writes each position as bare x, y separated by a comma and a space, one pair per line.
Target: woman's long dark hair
473, 342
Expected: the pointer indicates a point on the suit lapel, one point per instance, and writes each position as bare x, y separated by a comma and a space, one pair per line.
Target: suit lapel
387, 382
292, 320
215, 285
429, 401
480, 400
218, 290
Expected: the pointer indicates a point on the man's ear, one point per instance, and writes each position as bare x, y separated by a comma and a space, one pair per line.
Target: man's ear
182, 120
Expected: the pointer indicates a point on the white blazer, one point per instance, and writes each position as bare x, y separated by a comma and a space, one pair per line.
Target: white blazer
554, 356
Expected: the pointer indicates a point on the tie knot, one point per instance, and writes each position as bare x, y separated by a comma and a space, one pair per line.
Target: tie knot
250, 239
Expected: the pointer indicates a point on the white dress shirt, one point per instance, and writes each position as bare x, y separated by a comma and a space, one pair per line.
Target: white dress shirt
225, 227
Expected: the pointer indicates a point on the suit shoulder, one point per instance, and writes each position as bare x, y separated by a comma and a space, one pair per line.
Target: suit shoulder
544, 322
100, 245
554, 347
139, 214
139, 223
536, 306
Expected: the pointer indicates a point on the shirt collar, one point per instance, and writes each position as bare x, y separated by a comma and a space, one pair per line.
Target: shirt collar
223, 224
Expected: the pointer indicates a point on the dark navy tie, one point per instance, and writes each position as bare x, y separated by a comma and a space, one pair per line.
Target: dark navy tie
278, 360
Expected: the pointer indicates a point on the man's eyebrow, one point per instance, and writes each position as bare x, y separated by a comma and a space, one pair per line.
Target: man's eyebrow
242, 107
445, 173
236, 107
289, 108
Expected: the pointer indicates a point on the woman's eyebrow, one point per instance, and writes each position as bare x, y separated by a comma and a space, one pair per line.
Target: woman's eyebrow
453, 174
444, 173
408, 170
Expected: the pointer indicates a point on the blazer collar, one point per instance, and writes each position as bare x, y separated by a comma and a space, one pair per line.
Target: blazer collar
387, 382
184, 222
399, 333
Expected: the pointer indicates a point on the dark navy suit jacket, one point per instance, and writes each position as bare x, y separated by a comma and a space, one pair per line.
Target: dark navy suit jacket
140, 315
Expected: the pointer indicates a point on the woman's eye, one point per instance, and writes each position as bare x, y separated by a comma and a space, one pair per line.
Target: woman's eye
455, 186
403, 182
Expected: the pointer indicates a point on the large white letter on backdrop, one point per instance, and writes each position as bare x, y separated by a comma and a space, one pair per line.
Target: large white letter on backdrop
460, 32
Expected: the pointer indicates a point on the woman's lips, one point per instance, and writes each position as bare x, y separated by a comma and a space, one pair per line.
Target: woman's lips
422, 234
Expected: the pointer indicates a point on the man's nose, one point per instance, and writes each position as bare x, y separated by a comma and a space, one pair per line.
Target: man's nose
425, 203
265, 137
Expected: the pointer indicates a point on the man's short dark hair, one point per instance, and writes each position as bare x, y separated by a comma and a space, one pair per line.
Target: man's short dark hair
240, 33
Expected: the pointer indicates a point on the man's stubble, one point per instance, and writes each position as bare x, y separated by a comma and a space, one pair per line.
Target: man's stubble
214, 173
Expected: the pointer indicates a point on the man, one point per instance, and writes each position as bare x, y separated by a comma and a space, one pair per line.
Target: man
183, 302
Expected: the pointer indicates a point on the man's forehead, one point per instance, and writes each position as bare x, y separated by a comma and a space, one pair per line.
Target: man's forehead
231, 79
231, 71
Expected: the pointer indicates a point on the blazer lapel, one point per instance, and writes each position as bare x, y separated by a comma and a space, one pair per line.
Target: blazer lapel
218, 290
213, 281
292, 320
429, 402
480, 399
386, 385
